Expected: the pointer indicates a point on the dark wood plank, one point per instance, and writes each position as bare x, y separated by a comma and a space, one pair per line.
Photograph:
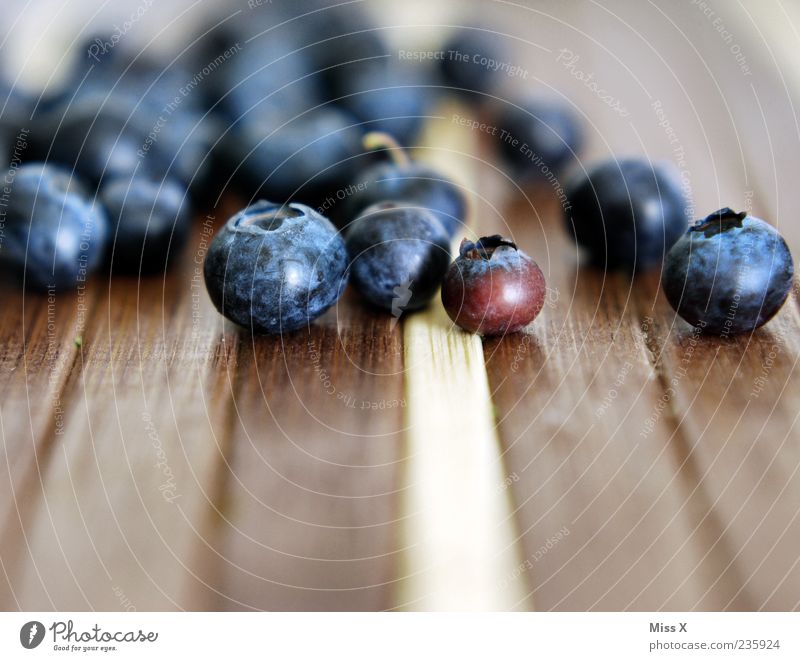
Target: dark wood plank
608, 518
647, 530
739, 396
652, 468
692, 115
37, 339
312, 477
120, 507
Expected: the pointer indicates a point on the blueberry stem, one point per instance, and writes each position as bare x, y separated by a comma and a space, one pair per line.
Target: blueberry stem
376, 140
719, 221
484, 247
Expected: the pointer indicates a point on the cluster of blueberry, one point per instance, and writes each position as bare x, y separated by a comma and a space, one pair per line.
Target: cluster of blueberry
277, 265
296, 104
728, 273
81, 179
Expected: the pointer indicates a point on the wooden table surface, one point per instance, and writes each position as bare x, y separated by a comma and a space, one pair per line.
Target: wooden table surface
171, 461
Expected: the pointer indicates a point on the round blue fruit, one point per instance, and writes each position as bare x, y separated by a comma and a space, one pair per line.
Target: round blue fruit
399, 255
409, 183
307, 159
730, 273
471, 58
98, 136
150, 223
626, 214
54, 235
538, 139
275, 268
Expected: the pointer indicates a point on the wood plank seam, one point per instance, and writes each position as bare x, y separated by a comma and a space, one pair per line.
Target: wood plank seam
459, 524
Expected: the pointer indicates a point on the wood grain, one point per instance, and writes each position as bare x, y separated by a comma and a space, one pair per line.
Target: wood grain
118, 514
167, 460
606, 513
692, 542
741, 416
38, 355
308, 510
456, 482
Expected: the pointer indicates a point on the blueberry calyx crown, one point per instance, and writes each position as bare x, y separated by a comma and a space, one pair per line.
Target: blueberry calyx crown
484, 247
265, 216
719, 221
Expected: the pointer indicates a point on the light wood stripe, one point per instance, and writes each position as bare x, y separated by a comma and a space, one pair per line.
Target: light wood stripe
459, 529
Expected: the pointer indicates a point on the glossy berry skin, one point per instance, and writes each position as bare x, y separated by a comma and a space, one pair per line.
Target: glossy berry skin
493, 288
55, 236
730, 273
627, 214
99, 67
386, 98
150, 221
275, 268
411, 184
270, 75
104, 135
306, 159
399, 255
99, 137
15, 111
540, 137
467, 57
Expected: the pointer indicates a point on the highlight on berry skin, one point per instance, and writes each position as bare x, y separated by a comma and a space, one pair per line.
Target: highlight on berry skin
493, 288
730, 273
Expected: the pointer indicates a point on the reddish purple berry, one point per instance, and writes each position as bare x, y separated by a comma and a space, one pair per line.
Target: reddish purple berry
493, 288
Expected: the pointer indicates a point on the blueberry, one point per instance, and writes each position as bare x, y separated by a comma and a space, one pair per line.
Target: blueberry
406, 181
95, 58
184, 149
627, 214
15, 111
388, 98
538, 138
493, 288
54, 235
275, 268
17, 123
15, 105
99, 137
264, 63
344, 43
470, 58
150, 222
306, 159
399, 255
268, 76
103, 136
729, 273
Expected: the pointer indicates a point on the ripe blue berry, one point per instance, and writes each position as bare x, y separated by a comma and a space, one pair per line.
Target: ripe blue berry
399, 255
15, 111
275, 268
387, 98
309, 157
493, 288
730, 273
406, 182
626, 214
271, 72
538, 138
54, 234
150, 223
470, 60
98, 136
